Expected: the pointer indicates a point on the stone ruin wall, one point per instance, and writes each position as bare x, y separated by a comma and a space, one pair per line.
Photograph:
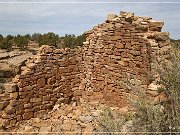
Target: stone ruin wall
123, 44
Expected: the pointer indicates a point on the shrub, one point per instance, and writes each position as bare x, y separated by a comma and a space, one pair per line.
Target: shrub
109, 122
6, 44
170, 81
21, 41
48, 39
71, 41
163, 116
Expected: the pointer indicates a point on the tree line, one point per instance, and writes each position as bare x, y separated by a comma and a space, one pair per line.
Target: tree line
50, 38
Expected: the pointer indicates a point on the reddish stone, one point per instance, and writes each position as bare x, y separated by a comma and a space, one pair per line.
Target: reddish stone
41, 82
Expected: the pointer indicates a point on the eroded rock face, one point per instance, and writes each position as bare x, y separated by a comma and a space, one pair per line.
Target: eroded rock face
124, 44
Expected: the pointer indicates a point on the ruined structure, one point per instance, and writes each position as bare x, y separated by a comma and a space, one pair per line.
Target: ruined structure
123, 44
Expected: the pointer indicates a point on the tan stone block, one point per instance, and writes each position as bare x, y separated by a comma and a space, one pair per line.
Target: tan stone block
156, 23
161, 36
51, 81
34, 100
108, 51
124, 63
123, 14
9, 109
119, 45
46, 98
46, 106
117, 53
98, 95
29, 105
40, 114
118, 25
155, 29
36, 108
14, 95
29, 110
128, 45
28, 115
12, 122
26, 99
20, 112
19, 118
37, 103
111, 16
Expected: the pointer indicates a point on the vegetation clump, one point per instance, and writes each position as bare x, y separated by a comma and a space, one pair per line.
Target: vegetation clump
50, 38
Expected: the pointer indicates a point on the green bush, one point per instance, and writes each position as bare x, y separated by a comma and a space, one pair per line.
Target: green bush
1, 37
163, 116
71, 41
6, 44
110, 122
48, 39
170, 81
21, 41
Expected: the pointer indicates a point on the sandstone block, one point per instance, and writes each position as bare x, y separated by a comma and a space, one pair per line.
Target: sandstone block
46, 98
129, 17
19, 112
162, 36
111, 16
12, 122
141, 27
14, 95
9, 110
123, 14
40, 114
28, 115
34, 100
41, 82
36, 108
156, 24
29, 105
45, 49
119, 45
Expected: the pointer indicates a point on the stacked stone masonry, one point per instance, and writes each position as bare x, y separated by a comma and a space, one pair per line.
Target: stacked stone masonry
123, 45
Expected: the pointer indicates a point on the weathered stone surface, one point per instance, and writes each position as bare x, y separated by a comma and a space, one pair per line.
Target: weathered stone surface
119, 45
129, 17
41, 82
122, 46
163, 36
86, 119
111, 16
14, 95
156, 24
28, 115
35, 100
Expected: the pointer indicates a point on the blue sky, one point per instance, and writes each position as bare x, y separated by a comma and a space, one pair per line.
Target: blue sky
75, 18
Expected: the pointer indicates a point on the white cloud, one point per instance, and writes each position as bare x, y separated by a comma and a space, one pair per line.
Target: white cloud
77, 18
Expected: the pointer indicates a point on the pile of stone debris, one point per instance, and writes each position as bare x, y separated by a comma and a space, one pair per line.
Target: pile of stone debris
63, 119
